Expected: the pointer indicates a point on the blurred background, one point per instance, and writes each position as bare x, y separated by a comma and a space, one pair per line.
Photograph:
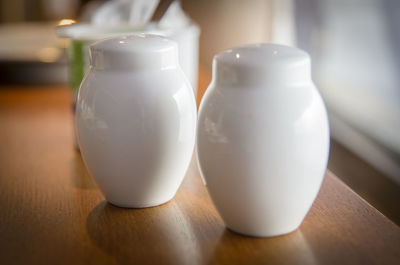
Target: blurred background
353, 45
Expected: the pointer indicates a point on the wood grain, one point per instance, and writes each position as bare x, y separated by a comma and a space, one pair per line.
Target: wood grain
368, 182
53, 213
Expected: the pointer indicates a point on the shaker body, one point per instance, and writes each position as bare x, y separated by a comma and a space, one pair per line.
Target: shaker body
262, 150
136, 127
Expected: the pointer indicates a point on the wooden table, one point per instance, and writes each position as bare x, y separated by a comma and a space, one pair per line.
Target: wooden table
51, 211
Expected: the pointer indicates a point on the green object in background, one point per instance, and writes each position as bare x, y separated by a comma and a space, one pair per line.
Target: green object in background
76, 63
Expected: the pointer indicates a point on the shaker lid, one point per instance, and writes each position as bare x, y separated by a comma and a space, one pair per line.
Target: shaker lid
139, 51
257, 64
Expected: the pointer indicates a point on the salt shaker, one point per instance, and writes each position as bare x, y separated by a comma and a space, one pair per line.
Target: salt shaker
136, 120
262, 138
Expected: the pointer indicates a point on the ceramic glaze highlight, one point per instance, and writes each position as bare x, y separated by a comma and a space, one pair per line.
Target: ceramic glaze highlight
136, 120
262, 138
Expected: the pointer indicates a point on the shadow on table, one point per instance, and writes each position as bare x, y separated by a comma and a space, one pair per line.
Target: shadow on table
80, 177
233, 248
157, 235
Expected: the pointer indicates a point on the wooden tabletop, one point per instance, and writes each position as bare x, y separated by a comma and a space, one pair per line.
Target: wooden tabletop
51, 211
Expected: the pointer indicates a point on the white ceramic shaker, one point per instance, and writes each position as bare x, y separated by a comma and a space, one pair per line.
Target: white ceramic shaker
136, 120
262, 138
